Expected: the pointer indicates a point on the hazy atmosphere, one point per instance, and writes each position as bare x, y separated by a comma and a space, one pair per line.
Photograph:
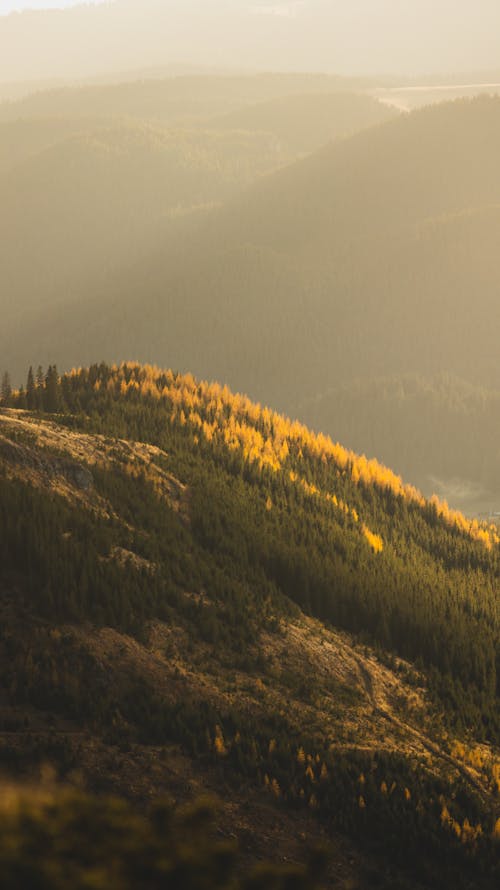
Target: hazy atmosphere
250, 445
356, 37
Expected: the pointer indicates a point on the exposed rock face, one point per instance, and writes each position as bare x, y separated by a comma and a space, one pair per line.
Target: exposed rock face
49, 466
50, 456
77, 475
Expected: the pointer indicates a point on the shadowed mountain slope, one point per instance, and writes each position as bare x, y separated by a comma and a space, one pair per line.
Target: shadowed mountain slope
84, 197
441, 431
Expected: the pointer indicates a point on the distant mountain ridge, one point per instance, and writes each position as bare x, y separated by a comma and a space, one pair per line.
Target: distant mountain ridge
374, 257
284, 34
345, 241
85, 196
173, 98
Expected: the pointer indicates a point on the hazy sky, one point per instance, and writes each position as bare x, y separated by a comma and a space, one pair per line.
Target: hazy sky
7, 6
344, 36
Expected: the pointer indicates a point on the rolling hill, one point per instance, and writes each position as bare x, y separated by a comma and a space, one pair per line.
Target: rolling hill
295, 124
200, 596
86, 204
24, 138
82, 197
307, 122
171, 99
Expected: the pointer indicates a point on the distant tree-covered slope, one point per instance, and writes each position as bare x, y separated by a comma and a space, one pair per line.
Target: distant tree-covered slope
170, 99
376, 256
83, 197
306, 122
89, 203
442, 432
22, 138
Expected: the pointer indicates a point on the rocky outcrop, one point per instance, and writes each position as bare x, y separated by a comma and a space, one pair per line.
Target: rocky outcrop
49, 466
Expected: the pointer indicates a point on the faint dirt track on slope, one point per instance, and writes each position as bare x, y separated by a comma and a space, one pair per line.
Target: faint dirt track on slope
380, 709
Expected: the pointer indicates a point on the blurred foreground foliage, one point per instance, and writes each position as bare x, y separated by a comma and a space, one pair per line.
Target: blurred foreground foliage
66, 839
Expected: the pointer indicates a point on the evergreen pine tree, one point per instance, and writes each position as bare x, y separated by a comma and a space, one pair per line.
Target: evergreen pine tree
6, 389
40, 388
31, 396
52, 395
20, 401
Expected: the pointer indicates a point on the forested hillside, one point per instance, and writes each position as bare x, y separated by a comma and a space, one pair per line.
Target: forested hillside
197, 576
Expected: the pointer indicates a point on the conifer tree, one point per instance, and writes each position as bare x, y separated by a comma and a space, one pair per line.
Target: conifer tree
6, 389
31, 396
20, 401
40, 388
52, 395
